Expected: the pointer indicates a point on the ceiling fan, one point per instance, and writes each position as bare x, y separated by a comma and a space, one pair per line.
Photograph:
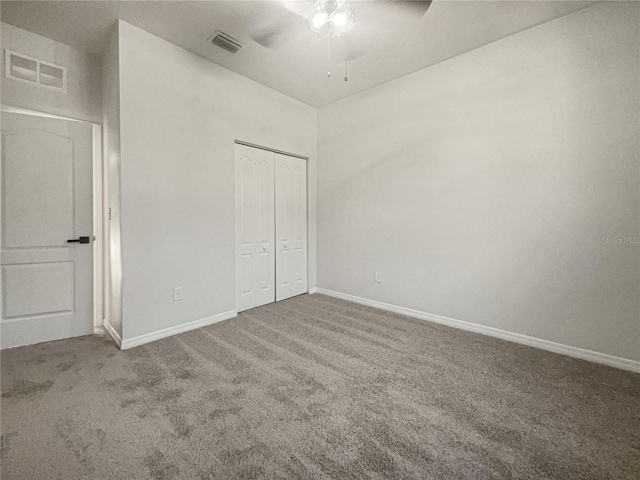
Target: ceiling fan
332, 18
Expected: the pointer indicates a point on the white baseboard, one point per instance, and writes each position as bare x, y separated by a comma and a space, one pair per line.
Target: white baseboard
589, 355
167, 332
112, 331
313, 290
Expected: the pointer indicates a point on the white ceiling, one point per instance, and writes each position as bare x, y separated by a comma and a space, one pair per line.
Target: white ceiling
394, 45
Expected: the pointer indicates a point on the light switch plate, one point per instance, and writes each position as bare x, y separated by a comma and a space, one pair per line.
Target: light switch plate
177, 294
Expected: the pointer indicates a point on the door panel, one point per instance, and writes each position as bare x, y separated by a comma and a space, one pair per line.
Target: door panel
47, 283
255, 229
37, 220
38, 288
291, 226
283, 227
299, 227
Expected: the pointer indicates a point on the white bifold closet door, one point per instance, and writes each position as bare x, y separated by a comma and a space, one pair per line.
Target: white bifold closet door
291, 226
271, 227
255, 261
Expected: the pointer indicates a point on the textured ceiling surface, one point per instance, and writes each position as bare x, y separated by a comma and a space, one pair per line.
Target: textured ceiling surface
280, 51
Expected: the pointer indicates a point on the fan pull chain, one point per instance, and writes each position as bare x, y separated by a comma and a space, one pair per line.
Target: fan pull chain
329, 57
346, 75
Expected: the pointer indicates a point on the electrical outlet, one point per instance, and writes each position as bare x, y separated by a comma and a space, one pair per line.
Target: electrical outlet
377, 277
177, 294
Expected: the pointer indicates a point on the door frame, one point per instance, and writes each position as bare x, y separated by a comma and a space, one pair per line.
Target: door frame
281, 152
99, 295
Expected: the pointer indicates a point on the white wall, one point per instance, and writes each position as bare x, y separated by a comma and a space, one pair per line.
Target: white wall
483, 188
111, 162
180, 115
83, 97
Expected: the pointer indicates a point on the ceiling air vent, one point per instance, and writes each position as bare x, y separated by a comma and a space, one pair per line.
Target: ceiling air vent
31, 70
225, 42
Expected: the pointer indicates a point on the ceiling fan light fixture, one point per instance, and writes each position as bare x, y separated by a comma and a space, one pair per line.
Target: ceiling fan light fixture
340, 19
319, 20
331, 18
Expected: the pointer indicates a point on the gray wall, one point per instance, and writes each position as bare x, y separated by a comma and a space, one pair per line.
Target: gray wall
111, 162
82, 99
490, 188
180, 115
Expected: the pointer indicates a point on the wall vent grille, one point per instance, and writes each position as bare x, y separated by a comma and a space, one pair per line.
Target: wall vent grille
225, 42
31, 70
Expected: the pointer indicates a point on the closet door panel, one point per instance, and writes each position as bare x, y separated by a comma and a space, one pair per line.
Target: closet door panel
291, 226
255, 261
299, 227
264, 279
283, 249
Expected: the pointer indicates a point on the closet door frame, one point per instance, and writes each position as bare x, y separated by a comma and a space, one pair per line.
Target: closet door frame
237, 226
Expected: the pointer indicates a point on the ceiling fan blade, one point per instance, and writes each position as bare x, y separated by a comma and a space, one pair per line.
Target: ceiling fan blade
411, 8
415, 8
299, 7
391, 10
348, 49
276, 38
280, 24
268, 39
355, 54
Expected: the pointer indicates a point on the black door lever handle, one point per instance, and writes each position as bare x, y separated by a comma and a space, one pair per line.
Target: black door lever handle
79, 240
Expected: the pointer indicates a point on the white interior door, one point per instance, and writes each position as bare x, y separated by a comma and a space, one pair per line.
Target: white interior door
47, 283
291, 226
254, 227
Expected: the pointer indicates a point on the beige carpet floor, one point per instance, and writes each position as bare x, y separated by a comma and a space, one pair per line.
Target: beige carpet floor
315, 388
